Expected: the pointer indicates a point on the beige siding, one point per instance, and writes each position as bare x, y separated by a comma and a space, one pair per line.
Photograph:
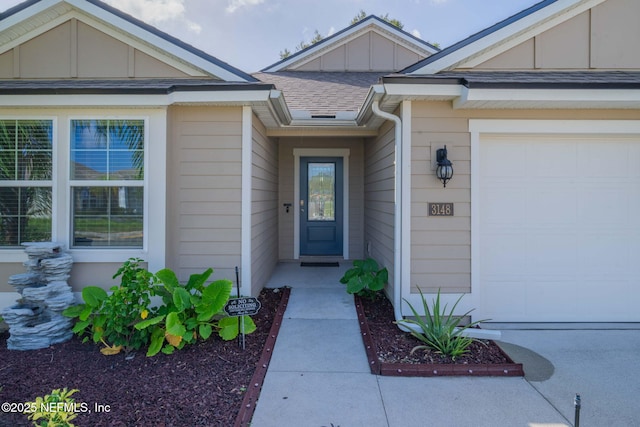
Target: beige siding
264, 207
604, 37
441, 246
356, 189
614, 35
370, 51
95, 274
7, 270
204, 201
77, 50
379, 197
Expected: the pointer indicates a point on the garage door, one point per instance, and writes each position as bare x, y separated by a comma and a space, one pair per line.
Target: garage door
559, 220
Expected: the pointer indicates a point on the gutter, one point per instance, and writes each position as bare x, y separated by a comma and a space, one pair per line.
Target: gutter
378, 93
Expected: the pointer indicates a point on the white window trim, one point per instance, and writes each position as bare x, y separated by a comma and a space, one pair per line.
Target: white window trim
153, 250
17, 254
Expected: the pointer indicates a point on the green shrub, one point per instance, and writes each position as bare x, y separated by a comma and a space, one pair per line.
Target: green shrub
440, 331
110, 319
125, 319
57, 409
365, 279
190, 311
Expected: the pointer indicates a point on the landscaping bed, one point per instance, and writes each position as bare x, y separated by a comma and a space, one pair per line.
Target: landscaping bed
389, 349
210, 383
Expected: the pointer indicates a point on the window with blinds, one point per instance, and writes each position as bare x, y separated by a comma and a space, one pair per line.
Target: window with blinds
107, 183
26, 171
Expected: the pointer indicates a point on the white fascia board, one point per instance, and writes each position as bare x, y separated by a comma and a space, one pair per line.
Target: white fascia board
89, 100
509, 36
230, 96
27, 13
523, 126
155, 40
423, 90
551, 96
83, 100
33, 32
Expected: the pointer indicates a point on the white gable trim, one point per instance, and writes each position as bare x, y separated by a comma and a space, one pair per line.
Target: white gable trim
345, 37
122, 30
509, 36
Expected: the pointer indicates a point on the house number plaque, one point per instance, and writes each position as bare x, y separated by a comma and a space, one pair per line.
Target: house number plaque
440, 209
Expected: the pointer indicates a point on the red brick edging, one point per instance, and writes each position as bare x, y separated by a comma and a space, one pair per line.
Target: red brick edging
253, 390
510, 369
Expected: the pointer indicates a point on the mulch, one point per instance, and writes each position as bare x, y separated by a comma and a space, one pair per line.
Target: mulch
210, 383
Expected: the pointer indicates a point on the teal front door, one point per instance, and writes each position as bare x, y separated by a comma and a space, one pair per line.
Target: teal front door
321, 195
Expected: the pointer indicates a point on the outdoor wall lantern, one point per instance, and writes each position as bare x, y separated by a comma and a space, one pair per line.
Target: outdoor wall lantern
444, 171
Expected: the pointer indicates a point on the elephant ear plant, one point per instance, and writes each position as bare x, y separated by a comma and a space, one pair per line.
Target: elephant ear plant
126, 321
440, 331
189, 311
365, 279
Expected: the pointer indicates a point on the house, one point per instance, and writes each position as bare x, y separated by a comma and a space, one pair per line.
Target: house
139, 145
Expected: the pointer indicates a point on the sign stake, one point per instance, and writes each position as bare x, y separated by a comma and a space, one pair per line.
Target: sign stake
240, 322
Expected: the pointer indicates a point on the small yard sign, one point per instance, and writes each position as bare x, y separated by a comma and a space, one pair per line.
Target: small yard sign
245, 306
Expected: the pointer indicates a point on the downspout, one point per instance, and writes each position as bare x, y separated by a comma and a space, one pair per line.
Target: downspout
397, 259
397, 238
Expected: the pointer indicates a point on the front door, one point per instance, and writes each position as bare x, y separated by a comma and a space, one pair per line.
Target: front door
321, 195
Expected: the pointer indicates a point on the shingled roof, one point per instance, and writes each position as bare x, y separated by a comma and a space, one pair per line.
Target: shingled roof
322, 93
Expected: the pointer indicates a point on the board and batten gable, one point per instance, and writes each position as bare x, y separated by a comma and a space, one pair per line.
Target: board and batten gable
264, 206
75, 49
370, 51
602, 38
204, 190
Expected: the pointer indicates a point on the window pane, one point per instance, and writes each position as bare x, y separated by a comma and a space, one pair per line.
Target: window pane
107, 149
321, 198
25, 150
108, 216
25, 215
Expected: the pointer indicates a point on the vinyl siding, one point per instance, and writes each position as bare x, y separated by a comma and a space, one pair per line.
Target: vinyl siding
204, 184
77, 50
379, 198
264, 207
600, 38
441, 246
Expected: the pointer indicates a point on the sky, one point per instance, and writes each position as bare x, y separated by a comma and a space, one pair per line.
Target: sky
250, 34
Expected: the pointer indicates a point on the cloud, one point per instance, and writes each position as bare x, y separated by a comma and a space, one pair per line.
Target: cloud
156, 12
416, 33
237, 4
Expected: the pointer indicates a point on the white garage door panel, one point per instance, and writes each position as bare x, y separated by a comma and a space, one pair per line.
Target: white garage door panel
559, 232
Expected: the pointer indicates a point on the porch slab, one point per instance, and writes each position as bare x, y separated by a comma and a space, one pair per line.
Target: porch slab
293, 275
321, 303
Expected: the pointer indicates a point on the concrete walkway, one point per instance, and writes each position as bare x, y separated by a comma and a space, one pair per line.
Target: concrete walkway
318, 375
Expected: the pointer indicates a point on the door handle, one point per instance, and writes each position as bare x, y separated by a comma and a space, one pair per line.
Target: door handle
301, 205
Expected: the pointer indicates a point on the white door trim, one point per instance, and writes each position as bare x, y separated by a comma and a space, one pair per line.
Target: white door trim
320, 152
